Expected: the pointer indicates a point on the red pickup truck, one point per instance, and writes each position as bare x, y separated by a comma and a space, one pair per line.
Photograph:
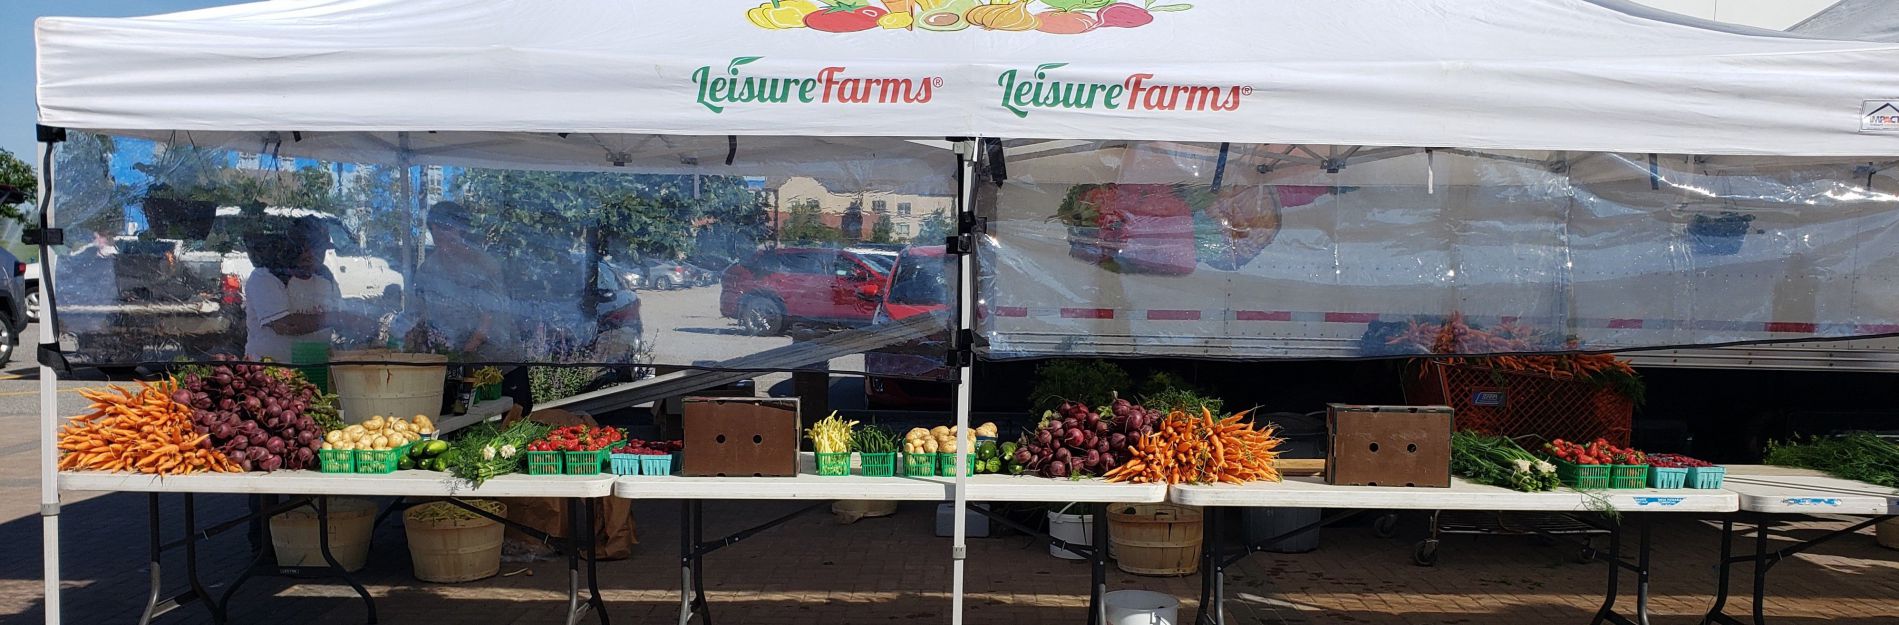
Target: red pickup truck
920, 284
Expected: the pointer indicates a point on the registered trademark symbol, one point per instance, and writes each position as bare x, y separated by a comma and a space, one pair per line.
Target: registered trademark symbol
1246, 91
936, 82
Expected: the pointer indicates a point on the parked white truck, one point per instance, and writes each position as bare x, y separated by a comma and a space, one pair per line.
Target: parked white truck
1119, 249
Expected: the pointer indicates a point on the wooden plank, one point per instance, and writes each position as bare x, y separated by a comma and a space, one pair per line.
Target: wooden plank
1307, 467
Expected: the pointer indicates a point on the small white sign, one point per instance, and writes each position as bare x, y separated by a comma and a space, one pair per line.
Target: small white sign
1879, 116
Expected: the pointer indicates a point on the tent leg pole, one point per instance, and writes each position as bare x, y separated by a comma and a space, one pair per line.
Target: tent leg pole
966, 311
49, 401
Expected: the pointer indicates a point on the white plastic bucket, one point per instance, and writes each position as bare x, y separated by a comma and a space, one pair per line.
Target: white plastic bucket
1074, 529
1142, 607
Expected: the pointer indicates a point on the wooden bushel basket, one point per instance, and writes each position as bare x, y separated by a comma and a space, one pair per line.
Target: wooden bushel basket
1155, 539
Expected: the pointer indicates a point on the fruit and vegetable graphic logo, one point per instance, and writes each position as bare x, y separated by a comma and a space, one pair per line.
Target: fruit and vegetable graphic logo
1057, 17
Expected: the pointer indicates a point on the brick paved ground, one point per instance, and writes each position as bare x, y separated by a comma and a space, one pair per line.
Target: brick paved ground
886, 570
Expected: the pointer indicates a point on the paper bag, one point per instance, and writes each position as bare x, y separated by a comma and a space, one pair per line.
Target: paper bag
613, 522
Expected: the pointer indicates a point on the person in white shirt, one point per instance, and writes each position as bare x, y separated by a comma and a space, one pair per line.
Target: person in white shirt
290, 297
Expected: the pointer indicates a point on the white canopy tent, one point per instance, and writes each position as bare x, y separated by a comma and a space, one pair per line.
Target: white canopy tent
1504, 74
1863, 20
522, 82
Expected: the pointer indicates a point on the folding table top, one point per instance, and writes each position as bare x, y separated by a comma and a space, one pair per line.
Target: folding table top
1313, 492
1778, 490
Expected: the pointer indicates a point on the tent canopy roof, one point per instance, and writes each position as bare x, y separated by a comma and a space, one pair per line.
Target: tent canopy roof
1591, 75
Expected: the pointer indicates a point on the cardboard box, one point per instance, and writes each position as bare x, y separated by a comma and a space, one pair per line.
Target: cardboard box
740, 437
1389, 445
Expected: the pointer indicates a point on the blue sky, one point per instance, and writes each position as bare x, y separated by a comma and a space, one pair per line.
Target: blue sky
16, 54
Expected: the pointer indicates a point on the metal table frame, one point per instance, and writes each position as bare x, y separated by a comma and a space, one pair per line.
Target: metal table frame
581, 539
1214, 561
693, 548
1763, 561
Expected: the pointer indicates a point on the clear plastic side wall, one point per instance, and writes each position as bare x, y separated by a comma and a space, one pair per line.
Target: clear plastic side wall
1312, 251
620, 252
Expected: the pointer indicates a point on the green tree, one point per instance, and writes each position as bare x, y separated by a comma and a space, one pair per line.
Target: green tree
806, 225
880, 232
934, 229
546, 214
16, 173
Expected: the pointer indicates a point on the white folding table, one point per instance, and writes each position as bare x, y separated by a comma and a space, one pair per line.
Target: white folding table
807, 485
313, 488
1313, 492
1766, 492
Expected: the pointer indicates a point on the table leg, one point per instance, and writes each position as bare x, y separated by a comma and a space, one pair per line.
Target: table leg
692, 598
323, 545
685, 562
1763, 532
151, 601
573, 561
1219, 570
1212, 571
1098, 557
191, 559
1642, 571
699, 562
1615, 577
1717, 614
593, 561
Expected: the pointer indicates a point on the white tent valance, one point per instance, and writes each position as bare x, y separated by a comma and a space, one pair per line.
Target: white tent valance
1586, 75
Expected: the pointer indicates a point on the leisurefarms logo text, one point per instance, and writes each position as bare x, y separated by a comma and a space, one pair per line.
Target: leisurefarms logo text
1020, 93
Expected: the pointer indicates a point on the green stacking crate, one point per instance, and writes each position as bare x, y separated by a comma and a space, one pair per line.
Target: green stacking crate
838, 464
946, 464
919, 465
584, 462
1628, 476
312, 358
878, 465
543, 462
1583, 476
336, 460
380, 460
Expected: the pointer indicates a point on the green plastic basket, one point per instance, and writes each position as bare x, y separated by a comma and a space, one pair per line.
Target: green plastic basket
488, 392
946, 464
336, 460
878, 465
312, 358
543, 462
919, 465
834, 464
1583, 476
1706, 477
1628, 476
584, 462
380, 460
1667, 477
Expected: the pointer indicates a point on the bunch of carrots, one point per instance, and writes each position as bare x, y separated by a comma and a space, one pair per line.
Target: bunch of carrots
1190, 449
141, 432
1456, 336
